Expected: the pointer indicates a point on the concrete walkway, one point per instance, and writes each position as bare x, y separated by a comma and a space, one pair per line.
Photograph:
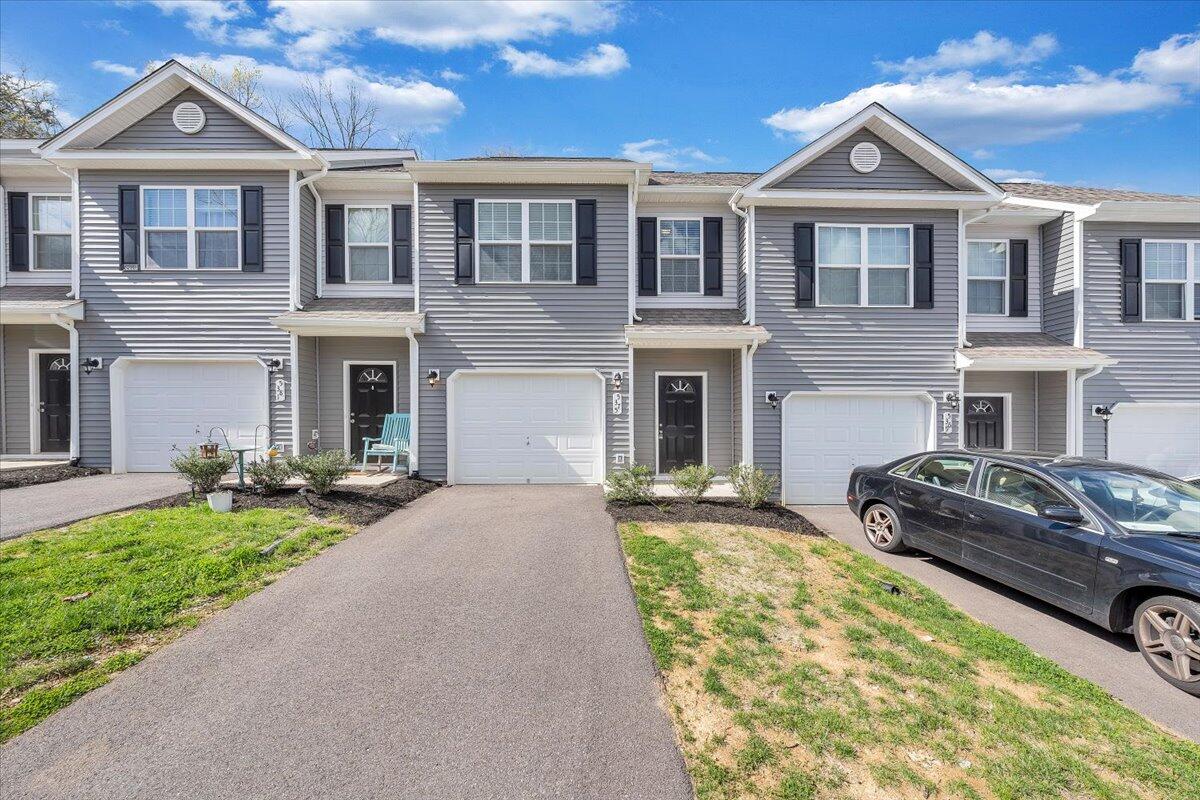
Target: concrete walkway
1107, 659
50, 505
482, 643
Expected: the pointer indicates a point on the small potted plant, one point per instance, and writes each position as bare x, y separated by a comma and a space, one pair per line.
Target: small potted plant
205, 474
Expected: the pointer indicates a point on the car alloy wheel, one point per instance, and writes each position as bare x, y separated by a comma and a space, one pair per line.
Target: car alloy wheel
880, 528
1171, 641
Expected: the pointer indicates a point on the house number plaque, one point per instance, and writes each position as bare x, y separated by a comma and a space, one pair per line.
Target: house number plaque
280, 390
617, 402
947, 422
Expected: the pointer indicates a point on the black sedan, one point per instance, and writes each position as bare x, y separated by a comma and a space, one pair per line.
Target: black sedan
1116, 544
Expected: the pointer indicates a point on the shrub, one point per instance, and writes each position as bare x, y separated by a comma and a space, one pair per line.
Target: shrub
268, 475
323, 470
753, 486
204, 474
633, 485
693, 481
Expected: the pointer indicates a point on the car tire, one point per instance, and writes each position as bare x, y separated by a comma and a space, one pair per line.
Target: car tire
881, 525
1167, 630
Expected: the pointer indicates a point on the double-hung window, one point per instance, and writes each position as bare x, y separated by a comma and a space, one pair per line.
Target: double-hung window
525, 241
191, 228
368, 245
987, 277
1170, 279
864, 265
679, 256
51, 231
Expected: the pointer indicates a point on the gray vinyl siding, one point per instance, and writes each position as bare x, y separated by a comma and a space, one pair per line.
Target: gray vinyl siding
307, 272
175, 312
221, 131
1058, 277
332, 353
815, 349
1023, 413
17, 341
719, 389
307, 388
1159, 361
832, 170
1052, 412
520, 326
1032, 322
743, 260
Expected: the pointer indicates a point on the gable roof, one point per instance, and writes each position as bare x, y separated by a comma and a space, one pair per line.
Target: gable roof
146, 96
1087, 195
904, 137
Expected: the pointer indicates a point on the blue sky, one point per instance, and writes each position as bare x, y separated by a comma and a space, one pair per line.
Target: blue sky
1101, 94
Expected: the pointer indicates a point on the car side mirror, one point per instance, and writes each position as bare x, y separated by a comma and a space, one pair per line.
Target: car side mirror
1068, 514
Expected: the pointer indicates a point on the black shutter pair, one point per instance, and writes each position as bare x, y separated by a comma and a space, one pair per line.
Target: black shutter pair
18, 231
585, 242
1131, 279
1018, 277
804, 254
129, 226
712, 256
335, 244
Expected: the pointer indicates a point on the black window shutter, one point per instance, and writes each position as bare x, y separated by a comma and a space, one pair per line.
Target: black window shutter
18, 231
922, 266
401, 244
585, 242
713, 248
647, 248
804, 254
252, 229
1131, 280
129, 222
1018, 277
464, 242
335, 244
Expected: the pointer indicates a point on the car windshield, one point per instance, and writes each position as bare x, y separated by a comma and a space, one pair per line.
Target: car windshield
1140, 503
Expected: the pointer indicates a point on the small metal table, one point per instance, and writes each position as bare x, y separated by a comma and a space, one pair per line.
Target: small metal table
240, 452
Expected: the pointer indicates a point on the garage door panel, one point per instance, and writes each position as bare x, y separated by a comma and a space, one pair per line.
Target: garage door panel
1165, 437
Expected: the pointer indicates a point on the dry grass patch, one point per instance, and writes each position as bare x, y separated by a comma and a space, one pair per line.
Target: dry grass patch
793, 672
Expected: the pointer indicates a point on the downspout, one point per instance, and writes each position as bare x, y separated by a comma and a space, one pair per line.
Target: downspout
414, 400
3, 251
297, 185
632, 246
73, 176
416, 244
749, 221
69, 324
1077, 306
962, 269
748, 402
1077, 408
295, 356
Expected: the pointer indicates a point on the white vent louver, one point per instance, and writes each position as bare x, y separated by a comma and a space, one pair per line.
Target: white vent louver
864, 157
188, 117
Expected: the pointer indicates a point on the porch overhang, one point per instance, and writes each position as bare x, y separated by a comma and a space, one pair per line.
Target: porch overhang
711, 337
1039, 352
37, 305
309, 323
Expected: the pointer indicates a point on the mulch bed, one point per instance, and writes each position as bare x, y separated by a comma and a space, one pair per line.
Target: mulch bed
667, 509
12, 479
356, 505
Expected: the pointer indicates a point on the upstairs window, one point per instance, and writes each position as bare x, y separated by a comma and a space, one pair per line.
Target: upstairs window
864, 265
525, 241
191, 228
987, 278
1170, 284
679, 256
368, 245
51, 231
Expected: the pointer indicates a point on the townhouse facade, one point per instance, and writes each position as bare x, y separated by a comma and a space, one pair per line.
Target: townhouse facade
177, 269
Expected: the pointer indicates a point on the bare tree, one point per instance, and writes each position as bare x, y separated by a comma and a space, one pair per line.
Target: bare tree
243, 83
27, 106
341, 118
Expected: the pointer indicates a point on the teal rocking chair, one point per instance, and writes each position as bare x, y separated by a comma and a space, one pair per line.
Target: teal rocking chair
392, 442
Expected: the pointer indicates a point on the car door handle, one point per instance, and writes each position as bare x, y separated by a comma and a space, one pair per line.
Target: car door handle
975, 517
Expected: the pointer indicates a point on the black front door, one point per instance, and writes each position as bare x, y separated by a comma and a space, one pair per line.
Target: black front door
372, 397
984, 421
680, 421
54, 406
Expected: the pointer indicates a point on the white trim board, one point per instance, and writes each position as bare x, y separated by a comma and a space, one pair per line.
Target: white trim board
35, 396
677, 373
347, 363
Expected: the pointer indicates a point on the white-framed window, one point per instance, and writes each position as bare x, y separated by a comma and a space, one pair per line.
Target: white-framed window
1170, 279
525, 241
679, 261
50, 227
987, 277
368, 244
191, 227
864, 265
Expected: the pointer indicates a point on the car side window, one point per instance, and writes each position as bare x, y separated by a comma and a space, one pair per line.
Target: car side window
947, 472
906, 467
1020, 490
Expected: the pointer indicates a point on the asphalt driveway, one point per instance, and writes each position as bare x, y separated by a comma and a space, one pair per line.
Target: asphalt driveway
1109, 660
50, 505
484, 642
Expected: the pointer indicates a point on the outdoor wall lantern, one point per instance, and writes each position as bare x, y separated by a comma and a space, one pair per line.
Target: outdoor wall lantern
617, 379
434, 377
773, 399
273, 364
951, 399
90, 364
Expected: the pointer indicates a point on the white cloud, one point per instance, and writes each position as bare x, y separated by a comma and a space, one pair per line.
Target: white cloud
1175, 61
660, 153
983, 48
963, 109
207, 19
450, 75
982, 153
124, 70
1015, 175
600, 62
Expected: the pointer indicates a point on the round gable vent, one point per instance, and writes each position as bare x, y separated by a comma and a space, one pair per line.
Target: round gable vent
188, 117
864, 157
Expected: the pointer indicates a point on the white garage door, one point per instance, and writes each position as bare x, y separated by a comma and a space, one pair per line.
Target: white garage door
527, 428
827, 435
1162, 436
177, 403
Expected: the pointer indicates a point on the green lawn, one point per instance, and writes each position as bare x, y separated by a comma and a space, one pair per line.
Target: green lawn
792, 672
138, 580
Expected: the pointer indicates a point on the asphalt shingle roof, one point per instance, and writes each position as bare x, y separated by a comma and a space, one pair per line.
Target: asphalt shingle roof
1089, 196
